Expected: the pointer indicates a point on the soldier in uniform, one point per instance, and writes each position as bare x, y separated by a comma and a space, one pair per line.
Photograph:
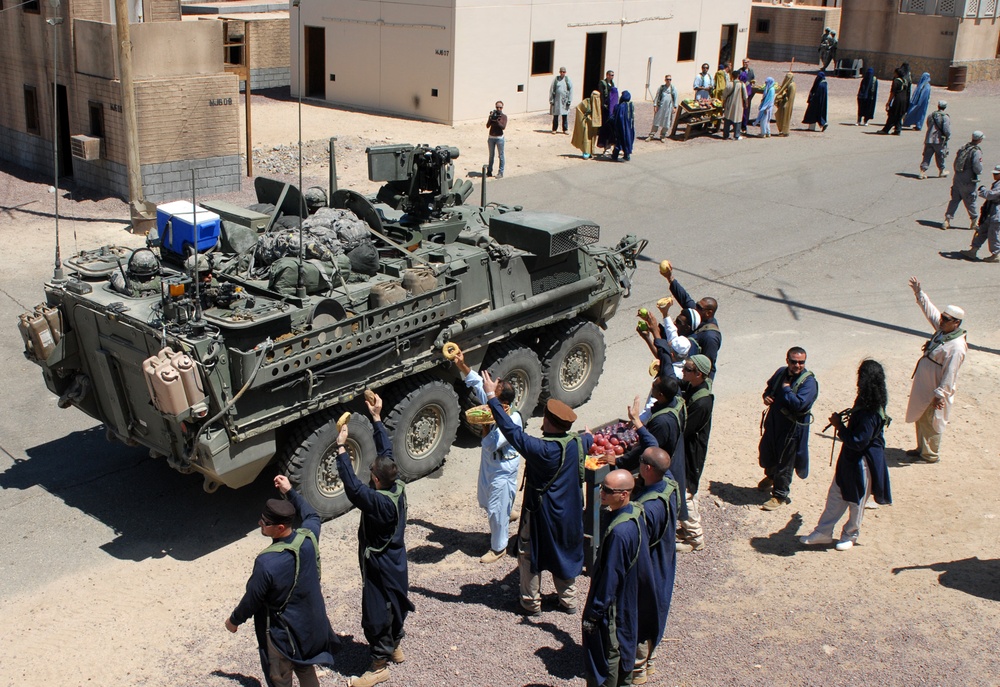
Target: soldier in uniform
141, 277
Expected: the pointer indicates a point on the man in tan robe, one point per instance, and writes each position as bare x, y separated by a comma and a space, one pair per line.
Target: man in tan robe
784, 100
587, 124
933, 392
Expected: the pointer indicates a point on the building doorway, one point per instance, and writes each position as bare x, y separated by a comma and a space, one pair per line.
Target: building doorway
727, 43
315, 61
65, 152
593, 63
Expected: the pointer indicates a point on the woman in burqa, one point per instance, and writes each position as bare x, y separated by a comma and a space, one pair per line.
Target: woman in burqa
867, 95
917, 112
817, 101
766, 109
784, 101
587, 124
624, 126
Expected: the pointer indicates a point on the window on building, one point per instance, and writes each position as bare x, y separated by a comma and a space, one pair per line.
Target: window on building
32, 7
542, 57
763, 26
685, 46
96, 111
31, 111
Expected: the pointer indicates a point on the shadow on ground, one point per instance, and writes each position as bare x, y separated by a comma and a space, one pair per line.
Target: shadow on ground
737, 495
784, 542
487, 594
446, 542
975, 576
238, 678
151, 508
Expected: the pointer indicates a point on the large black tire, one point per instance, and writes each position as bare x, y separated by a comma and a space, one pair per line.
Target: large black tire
422, 423
572, 361
310, 460
519, 365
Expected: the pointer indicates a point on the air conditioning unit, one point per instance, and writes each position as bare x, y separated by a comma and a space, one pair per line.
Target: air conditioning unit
86, 147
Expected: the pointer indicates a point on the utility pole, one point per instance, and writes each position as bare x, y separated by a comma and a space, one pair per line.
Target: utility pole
137, 199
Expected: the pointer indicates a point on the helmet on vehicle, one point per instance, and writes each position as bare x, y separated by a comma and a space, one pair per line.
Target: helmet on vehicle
143, 264
315, 198
198, 262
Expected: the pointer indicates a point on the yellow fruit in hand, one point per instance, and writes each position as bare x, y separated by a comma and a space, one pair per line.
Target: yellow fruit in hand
643, 312
666, 269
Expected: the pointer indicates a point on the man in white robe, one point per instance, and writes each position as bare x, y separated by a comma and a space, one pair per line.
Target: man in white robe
664, 104
561, 100
498, 464
933, 392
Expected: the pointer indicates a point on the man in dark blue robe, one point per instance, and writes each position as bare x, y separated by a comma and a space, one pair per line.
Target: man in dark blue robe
707, 335
666, 423
551, 531
658, 497
610, 616
284, 597
784, 443
381, 550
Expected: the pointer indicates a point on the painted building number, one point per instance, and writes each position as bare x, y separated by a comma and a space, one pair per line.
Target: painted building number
115, 107
215, 102
445, 53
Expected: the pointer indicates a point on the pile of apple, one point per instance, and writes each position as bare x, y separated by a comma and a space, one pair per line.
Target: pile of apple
613, 440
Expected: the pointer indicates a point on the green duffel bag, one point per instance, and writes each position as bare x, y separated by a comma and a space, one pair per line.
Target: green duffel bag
284, 277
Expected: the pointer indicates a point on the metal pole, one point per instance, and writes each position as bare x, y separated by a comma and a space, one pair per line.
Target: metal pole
300, 288
333, 168
57, 272
482, 189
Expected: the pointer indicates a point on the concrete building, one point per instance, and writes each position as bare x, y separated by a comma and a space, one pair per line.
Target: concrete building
187, 105
779, 33
940, 37
451, 60
256, 33
932, 35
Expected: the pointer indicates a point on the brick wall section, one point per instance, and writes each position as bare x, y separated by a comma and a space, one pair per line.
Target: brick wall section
273, 77
172, 180
31, 152
269, 40
886, 63
180, 120
163, 10
92, 10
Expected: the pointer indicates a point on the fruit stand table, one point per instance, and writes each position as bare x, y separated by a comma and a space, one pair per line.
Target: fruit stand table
692, 114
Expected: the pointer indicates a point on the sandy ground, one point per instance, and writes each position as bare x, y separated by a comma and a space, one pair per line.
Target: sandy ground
156, 565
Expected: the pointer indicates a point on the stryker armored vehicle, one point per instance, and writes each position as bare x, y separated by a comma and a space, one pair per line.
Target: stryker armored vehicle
245, 350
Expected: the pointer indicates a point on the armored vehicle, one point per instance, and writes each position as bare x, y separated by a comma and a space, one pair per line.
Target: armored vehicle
248, 352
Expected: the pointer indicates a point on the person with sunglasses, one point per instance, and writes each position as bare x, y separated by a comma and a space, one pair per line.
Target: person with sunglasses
658, 495
784, 443
611, 614
932, 393
283, 594
381, 549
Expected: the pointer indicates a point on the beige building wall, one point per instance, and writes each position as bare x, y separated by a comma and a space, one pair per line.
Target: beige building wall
450, 60
882, 35
780, 32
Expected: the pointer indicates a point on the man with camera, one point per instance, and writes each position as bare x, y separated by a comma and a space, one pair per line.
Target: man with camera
496, 123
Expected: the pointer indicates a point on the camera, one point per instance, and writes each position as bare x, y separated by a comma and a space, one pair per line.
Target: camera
494, 114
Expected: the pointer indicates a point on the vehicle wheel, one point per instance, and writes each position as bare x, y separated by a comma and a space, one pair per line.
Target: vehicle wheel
572, 362
422, 424
311, 460
521, 367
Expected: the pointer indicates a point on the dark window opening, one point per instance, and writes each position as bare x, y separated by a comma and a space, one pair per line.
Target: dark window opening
520, 88
32, 6
96, 111
542, 57
31, 111
685, 46
434, 92
234, 54
763, 26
